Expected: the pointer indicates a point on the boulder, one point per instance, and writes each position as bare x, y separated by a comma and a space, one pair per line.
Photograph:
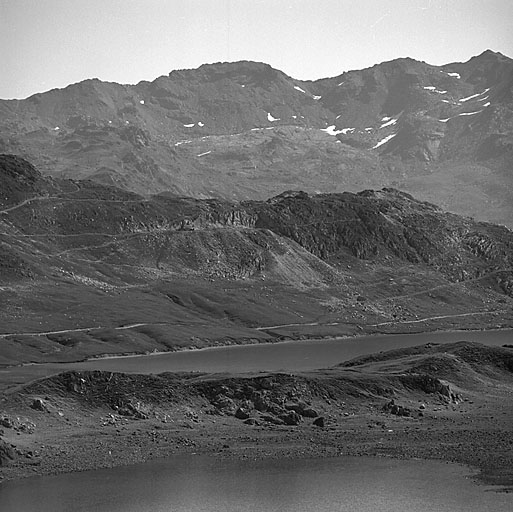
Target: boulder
396, 409
224, 403
298, 407
272, 419
290, 418
38, 404
309, 413
6, 422
319, 422
261, 401
241, 413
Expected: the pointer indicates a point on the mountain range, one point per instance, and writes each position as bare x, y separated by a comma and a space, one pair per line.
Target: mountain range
233, 204
245, 131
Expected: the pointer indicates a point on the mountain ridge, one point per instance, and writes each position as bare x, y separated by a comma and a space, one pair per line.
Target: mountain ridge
245, 130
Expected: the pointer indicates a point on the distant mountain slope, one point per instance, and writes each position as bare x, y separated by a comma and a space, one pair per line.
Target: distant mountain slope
87, 268
244, 130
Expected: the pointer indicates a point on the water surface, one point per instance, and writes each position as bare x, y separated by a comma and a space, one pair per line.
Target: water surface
285, 356
194, 484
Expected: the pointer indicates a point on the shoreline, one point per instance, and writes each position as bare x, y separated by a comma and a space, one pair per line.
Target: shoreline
78, 454
80, 420
78, 425
124, 355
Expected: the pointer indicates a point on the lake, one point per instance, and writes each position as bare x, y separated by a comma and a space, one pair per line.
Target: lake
197, 483
194, 483
284, 356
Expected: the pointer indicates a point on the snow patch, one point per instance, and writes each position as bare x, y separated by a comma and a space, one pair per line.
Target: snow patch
182, 142
271, 118
331, 130
385, 119
200, 124
205, 153
345, 131
299, 89
384, 141
446, 101
368, 129
189, 125
294, 117
487, 104
474, 95
457, 75
341, 83
444, 120
388, 123
243, 85
434, 89
469, 113
316, 97
141, 102
56, 128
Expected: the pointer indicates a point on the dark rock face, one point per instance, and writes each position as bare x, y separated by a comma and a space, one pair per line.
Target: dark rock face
20, 180
7, 453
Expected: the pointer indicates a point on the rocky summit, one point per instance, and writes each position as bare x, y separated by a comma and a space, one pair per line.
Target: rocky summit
243, 130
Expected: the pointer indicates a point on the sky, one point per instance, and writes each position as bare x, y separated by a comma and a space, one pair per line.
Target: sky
51, 43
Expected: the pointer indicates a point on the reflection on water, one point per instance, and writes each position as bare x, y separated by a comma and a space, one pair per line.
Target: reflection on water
194, 483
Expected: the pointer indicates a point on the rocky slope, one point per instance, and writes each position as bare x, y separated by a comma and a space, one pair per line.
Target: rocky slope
247, 131
88, 269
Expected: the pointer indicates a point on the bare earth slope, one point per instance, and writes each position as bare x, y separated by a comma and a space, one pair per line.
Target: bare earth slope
247, 131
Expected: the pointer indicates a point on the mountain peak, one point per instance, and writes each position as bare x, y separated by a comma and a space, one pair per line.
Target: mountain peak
489, 55
220, 70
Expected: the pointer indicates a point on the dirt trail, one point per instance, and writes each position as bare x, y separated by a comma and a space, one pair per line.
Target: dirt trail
440, 317
23, 203
80, 329
391, 322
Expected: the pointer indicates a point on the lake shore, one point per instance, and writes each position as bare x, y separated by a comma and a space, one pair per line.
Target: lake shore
81, 428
